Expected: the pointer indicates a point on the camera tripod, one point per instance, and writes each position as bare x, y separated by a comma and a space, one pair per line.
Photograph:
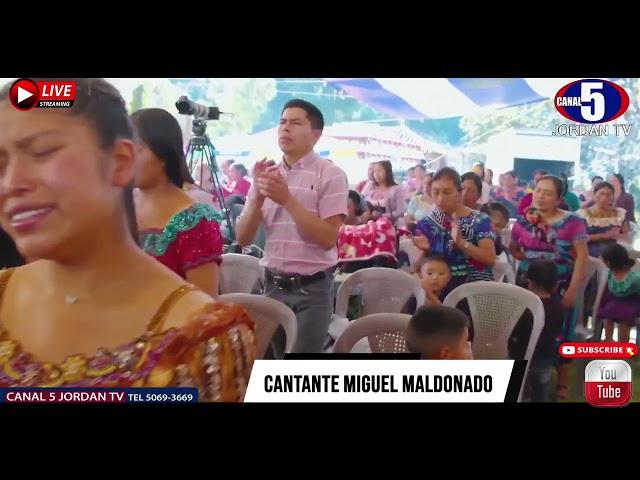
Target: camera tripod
201, 153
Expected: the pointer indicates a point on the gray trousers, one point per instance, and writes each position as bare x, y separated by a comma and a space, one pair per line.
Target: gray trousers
313, 306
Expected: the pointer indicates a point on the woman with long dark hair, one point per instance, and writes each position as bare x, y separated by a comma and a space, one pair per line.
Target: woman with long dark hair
182, 234
622, 198
91, 308
605, 223
386, 196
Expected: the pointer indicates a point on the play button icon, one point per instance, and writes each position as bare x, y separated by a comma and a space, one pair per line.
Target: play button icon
24, 94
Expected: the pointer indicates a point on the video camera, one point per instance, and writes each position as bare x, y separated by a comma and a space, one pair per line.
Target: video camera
187, 107
201, 153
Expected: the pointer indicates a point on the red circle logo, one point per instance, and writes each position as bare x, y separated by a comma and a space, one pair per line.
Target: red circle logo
24, 94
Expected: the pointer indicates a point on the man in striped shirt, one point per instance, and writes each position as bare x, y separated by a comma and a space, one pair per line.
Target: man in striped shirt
302, 202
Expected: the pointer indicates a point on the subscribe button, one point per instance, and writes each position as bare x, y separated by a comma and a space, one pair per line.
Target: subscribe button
599, 350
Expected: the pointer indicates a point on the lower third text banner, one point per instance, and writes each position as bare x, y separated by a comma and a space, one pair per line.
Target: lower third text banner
385, 381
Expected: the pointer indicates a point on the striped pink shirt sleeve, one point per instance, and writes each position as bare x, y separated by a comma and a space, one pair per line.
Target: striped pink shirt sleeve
333, 195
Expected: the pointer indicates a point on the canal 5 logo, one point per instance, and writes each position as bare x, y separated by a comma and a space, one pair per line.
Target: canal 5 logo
591, 101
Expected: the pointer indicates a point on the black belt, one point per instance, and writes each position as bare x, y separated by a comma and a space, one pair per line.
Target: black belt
288, 281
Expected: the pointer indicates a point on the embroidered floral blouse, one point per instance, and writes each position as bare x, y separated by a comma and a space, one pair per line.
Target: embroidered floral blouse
213, 352
191, 238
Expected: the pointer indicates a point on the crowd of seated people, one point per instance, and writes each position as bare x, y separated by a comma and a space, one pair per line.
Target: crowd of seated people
459, 236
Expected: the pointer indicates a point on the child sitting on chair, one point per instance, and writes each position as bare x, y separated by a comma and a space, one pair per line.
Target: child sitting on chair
434, 274
439, 333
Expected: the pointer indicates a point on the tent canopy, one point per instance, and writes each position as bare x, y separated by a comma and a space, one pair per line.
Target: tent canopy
397, 141
422, 98
351, 145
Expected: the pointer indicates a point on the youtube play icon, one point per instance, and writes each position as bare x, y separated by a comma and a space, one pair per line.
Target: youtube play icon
24, 94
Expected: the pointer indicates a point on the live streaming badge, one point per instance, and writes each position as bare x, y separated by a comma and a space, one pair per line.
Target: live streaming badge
24, 94
607, 383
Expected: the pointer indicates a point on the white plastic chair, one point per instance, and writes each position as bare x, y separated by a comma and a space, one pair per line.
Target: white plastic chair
414, 253
503, 271
268, 315
495, 310
384, 290
239, 273
386, 333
